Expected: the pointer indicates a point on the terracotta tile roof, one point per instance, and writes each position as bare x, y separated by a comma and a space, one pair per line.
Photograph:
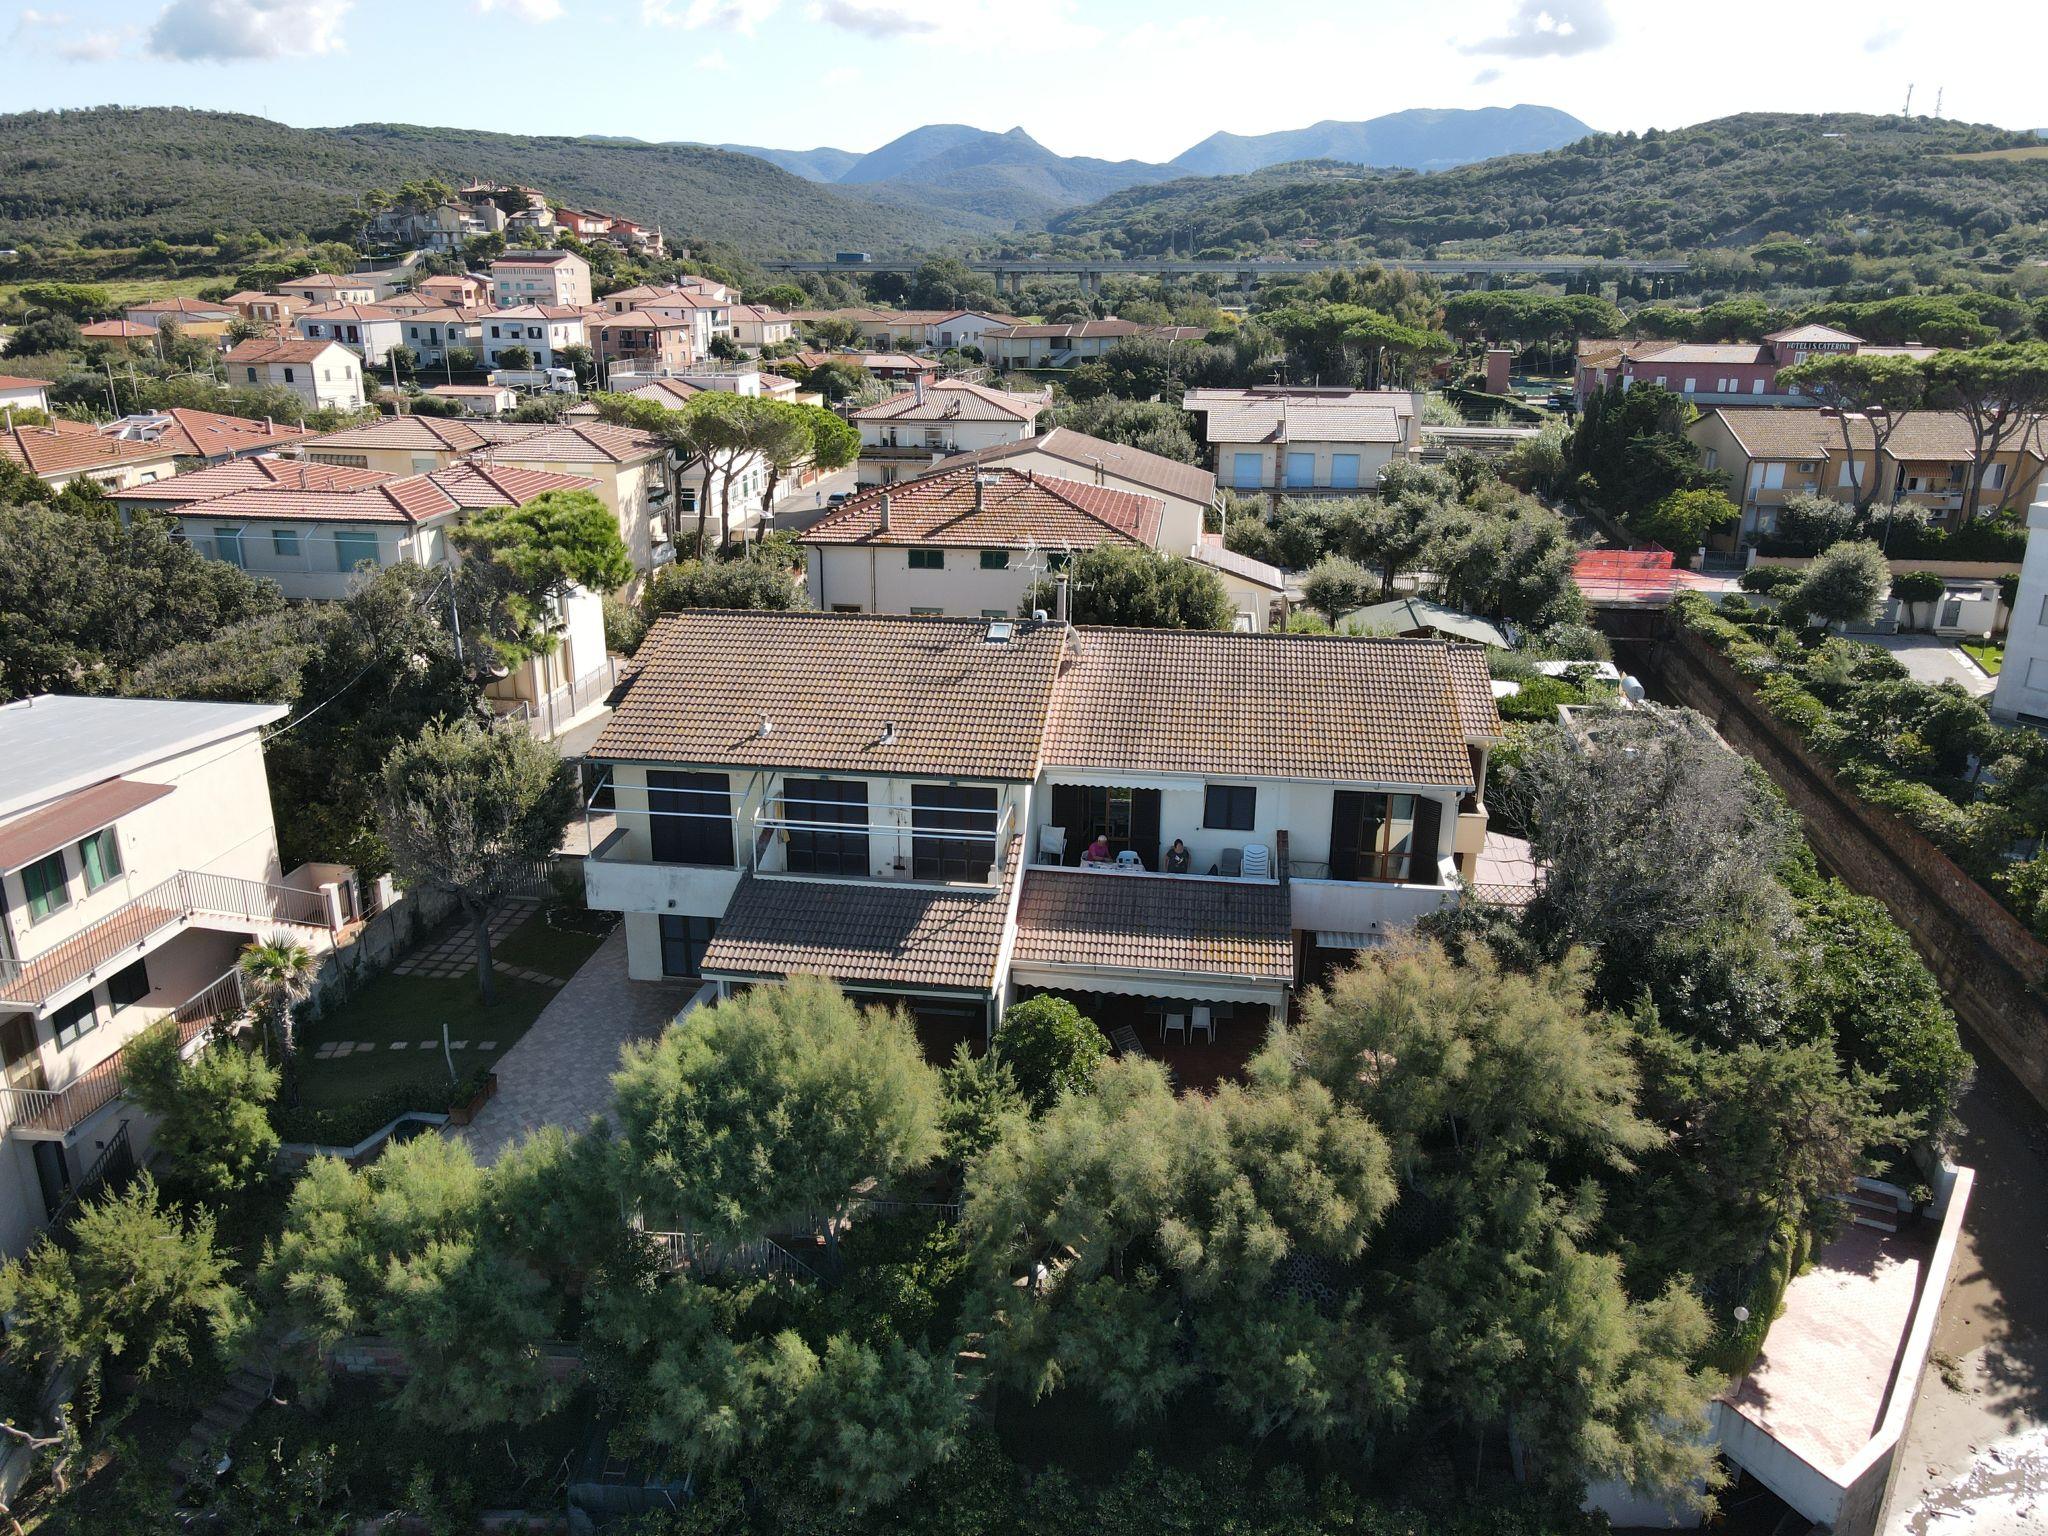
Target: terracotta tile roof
639, 319
408, 303
1472, 683
255, 473
196, 309
1797, 432
63, 450
116, 330
1073, 330
831, 686
669, 392
874, 362
1206, 928
1262, 706
210, 435
329, 280
1212, 551
1169, 477
16, 381
992, 509
541, 312
1737, 353
532, 259
875, 931
1820, 333
463, 487
956, 400
588, 442
1290, 421
405, 432
1400, 401
280, 349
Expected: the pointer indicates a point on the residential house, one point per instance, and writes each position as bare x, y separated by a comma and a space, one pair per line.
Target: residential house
118, 331
478, 399
434, 331
539, 330
1769, 455
137, 859
642, 342
628, 467
325, 374
321, 288
920, 839
1187, 491
368, 330
243, 474
205, 436
968, 542
1744, 372
272, 311
911, 329
705, 308
903, 436
1418, 616
64, 451
407, 304
553, 278
193, 317
2022, 691
1286, 441
32, 394
756, 326
1078, 341
890, 367
456, 290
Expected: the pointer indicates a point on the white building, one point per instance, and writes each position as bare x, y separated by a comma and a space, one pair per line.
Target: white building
434, 332
2022, 691
905, 435
1288, 441
365, 329
34, 394
921, 838
322, 373
556, 278
539, 330
137, 860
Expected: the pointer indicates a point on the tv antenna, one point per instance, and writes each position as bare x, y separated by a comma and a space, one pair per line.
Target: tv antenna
1937, 100
1907, 109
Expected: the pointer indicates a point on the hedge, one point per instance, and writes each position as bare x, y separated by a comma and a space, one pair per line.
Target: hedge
344, 1125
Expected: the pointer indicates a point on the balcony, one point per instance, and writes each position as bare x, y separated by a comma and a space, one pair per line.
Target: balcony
1367, 906
619, 878
133, 928
52, 1114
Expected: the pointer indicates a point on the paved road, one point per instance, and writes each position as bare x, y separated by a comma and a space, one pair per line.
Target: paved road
799, 512
1975, 1462
1931, 659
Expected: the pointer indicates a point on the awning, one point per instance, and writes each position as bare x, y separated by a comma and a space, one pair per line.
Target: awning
1157, 930
63, 822
1325, 939
1136, 984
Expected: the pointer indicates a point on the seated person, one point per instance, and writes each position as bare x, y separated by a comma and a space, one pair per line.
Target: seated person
1096, 852
1177, 858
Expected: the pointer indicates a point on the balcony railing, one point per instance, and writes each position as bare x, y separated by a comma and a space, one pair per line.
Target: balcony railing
52, 1113
128, 929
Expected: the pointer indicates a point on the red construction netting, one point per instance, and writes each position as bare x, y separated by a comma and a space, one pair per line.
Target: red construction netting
1632, 576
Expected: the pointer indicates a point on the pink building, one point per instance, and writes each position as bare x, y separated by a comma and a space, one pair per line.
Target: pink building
1718, 373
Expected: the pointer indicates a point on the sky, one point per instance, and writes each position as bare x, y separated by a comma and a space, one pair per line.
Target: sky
1119, 79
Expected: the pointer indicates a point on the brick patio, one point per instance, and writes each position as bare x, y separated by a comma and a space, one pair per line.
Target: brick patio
559, 1072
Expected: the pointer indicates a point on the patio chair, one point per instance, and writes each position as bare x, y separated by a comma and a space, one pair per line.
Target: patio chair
1173, 1024
1052, 845
1203, 1022
1128, 860
1231, 863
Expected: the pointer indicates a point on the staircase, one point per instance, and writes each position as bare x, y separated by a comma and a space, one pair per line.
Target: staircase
1874, 1204
197, 1455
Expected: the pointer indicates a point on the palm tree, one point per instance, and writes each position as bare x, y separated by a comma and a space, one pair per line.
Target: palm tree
277, 975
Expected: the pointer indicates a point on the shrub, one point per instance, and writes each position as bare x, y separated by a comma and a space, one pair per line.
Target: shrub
1539, 698
1917, 587
1050, 1047
1769, 579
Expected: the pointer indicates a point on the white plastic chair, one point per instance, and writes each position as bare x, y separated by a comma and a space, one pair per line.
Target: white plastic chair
1128, 860
1052, 845
1203, 1023
1173, 1024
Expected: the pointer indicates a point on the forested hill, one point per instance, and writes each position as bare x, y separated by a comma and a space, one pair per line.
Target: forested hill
123, 176
1904, 184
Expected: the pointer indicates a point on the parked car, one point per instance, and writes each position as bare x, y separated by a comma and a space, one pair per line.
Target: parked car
835, 498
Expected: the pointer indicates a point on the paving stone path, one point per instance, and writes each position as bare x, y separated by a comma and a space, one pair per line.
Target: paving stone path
454, 952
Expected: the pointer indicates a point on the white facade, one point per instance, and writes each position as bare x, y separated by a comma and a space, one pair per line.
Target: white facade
526, 327
331, 378
903, 450
879, 579
1303, 466
370, 335
2022, 692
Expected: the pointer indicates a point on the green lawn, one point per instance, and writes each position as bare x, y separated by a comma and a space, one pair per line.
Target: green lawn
136, 290
408, 1010
1987, 654
536, 945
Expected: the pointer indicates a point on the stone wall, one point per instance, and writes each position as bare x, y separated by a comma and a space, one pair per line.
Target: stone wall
1987, 961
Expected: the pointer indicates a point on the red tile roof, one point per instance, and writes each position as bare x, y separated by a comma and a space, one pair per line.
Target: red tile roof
116, 330
993, 509
1181, 927
464, 487
956, 400
67, 449
280, 349
253, 474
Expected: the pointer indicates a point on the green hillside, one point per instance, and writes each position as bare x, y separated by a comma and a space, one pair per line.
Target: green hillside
121, 176
1898, 184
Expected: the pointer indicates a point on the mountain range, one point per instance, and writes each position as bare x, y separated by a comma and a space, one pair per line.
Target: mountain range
1014, 182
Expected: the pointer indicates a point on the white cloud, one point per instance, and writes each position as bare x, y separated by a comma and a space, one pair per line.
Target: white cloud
195, 30
741, 16
1551, 29
1879, 41
874, 18
959, 26
524, 10
57, 32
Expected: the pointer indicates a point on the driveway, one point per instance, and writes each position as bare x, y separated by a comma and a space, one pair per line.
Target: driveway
1975, 1458
560, 1070
1931, 659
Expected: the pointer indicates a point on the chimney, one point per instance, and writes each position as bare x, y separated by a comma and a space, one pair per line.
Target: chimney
980, 492
269, 426
1060, 600
917, 384
885, 511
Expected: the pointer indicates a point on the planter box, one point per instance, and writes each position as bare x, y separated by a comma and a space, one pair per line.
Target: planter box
463, 1113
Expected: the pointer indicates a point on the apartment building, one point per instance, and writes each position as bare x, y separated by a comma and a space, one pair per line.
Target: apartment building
63, 451
1734, 373
554, 278
368, 330
1075, 341
324, 374
272, 311
757, 326
1257, 806
644, 342
1768, 455
1285, 441
2022, 691
195, 317
432, 331
912, 329
538, 330
457, 290
137, 860
903, 436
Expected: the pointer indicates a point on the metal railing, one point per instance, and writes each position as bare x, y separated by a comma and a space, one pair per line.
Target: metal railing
112, 1169
124, 931
698, 1254
53, 1112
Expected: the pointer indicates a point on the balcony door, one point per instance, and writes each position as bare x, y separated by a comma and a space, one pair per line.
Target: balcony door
23, 1063
950, 831
691, 816
1126, 818
819, 848
1375, 837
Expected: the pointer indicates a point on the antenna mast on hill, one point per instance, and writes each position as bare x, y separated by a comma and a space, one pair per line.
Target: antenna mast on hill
1937, 100
1907, 109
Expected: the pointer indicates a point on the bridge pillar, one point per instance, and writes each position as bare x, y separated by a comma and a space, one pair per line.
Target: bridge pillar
1247, 281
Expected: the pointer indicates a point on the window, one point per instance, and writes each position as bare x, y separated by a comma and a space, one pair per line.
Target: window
354, 547
291, 376
74, 1020
252, 375
683, 942
952, 827
101, 856
691, 816
822, 806
927, 613
284, 542
1384, 837
927, 559
1710, 458
48, 886
423, 463
227, 545
995, 559
1230, 807
128, 986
